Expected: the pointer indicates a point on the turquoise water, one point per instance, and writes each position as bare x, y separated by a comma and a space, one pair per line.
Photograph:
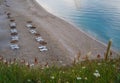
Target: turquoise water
101, 19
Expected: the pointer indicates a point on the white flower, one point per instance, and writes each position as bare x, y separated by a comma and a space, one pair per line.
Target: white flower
96, 74
39, 81
61, 61
79, 78
26, 63
85, 78
42, 68
99, 63
113, 65
31, 65
11, 62
73, 70
96, 71
83, 67
4, 60
52, 77
29, 80
63, 64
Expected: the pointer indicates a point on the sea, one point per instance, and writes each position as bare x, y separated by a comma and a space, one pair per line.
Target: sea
98, 18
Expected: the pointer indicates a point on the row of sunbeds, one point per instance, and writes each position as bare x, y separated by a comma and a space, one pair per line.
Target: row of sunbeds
42, 47
14, 36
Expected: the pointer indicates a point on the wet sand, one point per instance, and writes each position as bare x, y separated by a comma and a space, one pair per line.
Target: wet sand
64, 41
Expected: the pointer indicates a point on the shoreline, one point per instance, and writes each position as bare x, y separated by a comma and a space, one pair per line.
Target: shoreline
64, 40
77, 27
89, 35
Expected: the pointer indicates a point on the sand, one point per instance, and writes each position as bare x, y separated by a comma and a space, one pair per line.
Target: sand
64, 41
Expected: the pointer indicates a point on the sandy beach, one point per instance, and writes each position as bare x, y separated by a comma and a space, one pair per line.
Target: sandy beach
64, 41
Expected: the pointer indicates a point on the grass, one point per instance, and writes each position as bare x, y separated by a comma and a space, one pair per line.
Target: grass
107, 72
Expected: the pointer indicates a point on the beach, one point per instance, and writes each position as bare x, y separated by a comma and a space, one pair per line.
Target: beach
64, 40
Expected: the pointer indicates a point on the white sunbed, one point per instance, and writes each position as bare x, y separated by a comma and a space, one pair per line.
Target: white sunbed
14, 46
28, 25
15, 38
33, 31
43, 48
12, 24
39, 39
13, 31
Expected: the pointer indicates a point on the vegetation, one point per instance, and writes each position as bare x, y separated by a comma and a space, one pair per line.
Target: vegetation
84, 72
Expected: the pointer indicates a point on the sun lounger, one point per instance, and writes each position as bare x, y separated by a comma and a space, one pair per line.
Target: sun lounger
14, 46
33, 31
15, 38
43, 48
39, 39
13, 31
12, 24
29, 25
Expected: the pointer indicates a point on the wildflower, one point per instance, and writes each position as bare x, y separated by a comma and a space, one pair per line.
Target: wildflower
60, 71
85, 78
60, 61
99, 63
4, 60
8, 65
22, 61
79, 78
113, 65
27, 64
31, 65
96, 71
83, 67
39, 81
11, 62
29, 80
64, 64
96, 74
42, 68
73, 71
1, 57
52, 77
46, 64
